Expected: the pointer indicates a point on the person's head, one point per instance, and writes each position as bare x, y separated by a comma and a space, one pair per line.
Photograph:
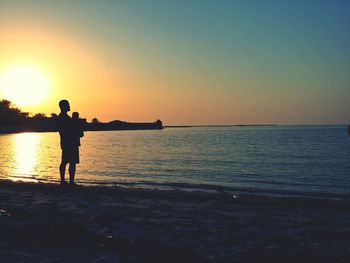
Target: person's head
64, 106
75, 115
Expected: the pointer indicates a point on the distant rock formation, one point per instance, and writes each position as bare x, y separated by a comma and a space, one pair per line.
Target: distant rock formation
122, 125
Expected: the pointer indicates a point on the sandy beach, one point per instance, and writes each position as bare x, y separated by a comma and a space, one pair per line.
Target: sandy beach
48, 223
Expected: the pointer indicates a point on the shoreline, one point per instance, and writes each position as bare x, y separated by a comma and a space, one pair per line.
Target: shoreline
204, 189
45, 221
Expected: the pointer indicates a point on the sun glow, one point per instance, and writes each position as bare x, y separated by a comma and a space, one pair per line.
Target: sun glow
24, 85
26, 150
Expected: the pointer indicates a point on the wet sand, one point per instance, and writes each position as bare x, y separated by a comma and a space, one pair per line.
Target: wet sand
48, 223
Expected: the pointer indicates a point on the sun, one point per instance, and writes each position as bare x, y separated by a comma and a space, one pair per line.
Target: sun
24, 85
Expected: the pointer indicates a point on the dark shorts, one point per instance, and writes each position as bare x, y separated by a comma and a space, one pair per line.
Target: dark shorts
70, 155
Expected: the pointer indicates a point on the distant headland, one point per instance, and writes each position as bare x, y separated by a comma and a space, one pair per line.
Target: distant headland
13, 120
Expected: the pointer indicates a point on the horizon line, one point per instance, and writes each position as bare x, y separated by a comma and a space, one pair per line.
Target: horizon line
253, 124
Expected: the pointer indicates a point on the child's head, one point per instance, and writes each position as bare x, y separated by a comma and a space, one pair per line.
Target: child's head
75, 115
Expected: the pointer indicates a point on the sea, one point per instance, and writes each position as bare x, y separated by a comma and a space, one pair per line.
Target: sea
288, 160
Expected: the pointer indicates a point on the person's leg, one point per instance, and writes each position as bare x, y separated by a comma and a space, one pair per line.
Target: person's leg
72, 167
63, 171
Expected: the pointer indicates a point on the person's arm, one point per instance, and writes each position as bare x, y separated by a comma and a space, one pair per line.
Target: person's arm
81, 132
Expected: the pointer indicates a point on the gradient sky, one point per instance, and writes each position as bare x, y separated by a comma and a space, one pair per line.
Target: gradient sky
186, 61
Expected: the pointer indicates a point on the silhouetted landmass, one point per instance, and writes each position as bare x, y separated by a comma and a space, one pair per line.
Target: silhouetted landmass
12, 120
122, 125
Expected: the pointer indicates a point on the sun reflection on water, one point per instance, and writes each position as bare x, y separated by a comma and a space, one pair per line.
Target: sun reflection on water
25, 146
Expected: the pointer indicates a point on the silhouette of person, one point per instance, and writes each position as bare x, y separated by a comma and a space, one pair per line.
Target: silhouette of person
77, 128
69, 143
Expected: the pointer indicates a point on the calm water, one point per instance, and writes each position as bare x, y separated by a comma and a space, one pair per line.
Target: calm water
308, 160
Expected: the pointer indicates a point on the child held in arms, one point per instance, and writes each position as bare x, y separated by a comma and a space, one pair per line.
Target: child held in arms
77, 128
